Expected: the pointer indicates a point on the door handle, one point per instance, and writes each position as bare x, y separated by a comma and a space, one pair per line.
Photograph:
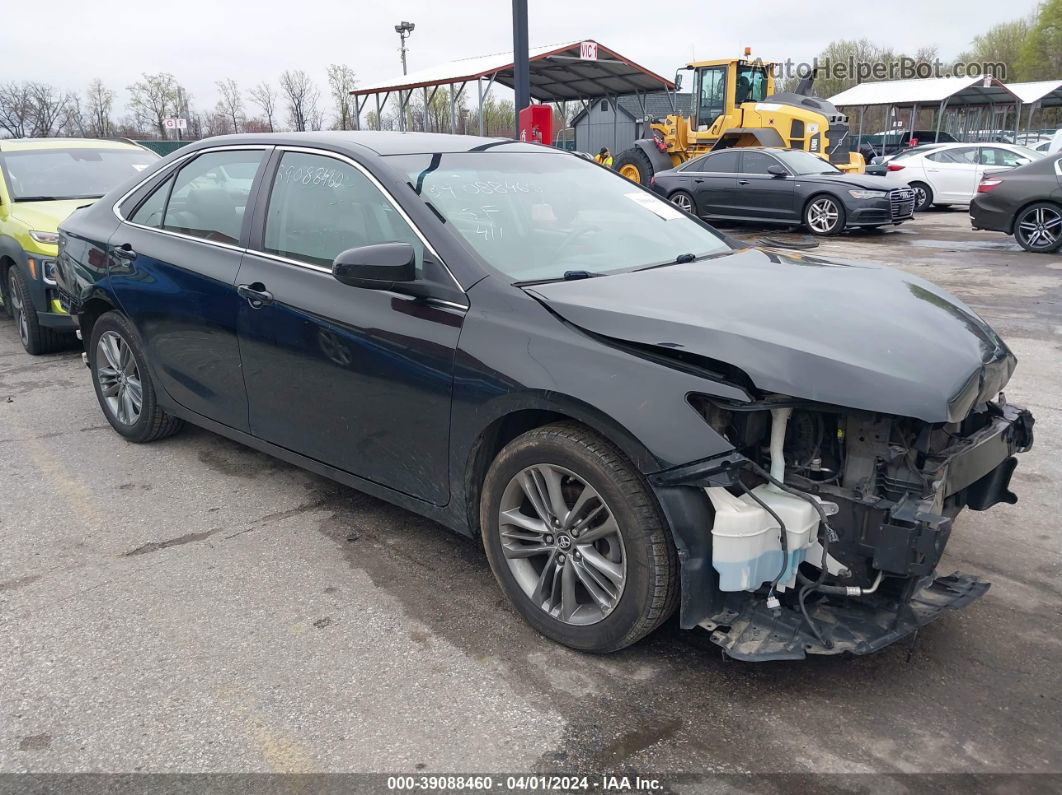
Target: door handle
124, 252
743, 182
698, 179
255, 294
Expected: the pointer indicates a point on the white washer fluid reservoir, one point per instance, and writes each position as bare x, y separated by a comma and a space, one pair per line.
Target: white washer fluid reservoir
746, 544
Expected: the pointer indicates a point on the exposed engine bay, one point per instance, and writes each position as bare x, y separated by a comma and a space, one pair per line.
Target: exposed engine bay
829, 524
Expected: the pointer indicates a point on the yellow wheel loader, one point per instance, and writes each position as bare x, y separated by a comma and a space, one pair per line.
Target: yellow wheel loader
733, 103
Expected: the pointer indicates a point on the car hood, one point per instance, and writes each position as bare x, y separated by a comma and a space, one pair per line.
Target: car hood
849, 181
46, 216
849, 334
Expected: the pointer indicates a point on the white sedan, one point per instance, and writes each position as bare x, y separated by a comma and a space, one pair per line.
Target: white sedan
944, 174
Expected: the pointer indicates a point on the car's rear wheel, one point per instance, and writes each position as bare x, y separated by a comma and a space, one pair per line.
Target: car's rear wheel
824, 215
923, 195
35, 338
634, 165
1038, 228
576, 539
684, 202
123, 383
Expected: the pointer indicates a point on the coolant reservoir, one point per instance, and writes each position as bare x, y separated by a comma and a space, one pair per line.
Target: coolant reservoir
746, 547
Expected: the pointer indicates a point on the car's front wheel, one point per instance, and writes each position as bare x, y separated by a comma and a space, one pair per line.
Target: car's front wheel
35, 338
576, 539
824, 215
123, 383
1039, 228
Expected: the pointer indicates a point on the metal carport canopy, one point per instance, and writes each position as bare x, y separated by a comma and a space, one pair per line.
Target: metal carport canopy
1048, 93
928, 91
558, 73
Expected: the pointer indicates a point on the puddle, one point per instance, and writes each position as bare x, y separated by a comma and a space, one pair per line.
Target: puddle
968, 245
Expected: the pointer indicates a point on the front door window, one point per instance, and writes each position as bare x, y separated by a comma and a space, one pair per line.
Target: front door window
712, 98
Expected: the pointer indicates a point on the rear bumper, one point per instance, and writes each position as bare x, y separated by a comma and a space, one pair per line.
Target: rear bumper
982, 217
854, 625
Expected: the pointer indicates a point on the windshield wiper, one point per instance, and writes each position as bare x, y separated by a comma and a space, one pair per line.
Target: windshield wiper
57, 198
569, 276
682, 259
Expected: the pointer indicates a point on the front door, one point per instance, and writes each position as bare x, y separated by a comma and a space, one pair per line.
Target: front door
174, 269
761, 194
357, 379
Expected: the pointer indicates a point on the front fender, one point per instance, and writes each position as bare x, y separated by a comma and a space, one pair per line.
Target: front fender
661, 160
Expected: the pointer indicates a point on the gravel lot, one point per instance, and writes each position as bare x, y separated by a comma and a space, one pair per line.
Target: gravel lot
193, 605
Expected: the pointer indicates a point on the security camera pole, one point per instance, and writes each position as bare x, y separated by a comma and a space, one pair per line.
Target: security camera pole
403, 30
521, 69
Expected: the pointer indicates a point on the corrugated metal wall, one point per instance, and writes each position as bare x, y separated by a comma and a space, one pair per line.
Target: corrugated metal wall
602, 126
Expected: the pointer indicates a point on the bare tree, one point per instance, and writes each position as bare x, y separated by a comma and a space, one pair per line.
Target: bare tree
341, 81
265, 97
16, 109
100, 102
49, 108
74, 118
156, 98
302, 97
231, 102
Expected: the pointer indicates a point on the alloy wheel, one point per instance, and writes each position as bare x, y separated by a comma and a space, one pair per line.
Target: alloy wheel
18, 311
1041, 227
119, 378
683, 202
920, 197
823, 215
562, 544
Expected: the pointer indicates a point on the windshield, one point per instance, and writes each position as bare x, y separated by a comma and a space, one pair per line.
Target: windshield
751, 84
541, 216
803, 163
42, 174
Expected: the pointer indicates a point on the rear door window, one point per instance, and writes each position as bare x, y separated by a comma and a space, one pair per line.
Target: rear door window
210, 195
320, 206
720, 163
153, 209
964, 155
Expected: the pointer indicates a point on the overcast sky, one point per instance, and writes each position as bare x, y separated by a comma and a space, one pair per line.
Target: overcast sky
69, 42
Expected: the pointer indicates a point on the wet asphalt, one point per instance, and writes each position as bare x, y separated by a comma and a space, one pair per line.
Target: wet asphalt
192, 605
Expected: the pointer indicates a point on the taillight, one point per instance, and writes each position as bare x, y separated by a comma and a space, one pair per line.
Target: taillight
987, 184
894, 167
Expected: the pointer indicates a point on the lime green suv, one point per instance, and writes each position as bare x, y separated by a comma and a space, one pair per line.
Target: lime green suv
42, 181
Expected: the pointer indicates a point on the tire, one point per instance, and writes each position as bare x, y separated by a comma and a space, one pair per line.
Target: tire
630, 562
684, 202
923, 196
634, 165
824, 215
117, 362
1038, 228
36, 339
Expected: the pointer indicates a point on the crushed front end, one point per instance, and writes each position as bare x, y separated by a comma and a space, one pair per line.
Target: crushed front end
826, 525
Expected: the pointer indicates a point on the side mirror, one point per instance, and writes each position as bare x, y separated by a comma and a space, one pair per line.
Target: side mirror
777, 171
877, 170
376, 267
678, 81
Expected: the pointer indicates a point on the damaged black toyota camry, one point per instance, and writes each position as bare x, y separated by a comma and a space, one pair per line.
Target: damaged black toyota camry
633, 412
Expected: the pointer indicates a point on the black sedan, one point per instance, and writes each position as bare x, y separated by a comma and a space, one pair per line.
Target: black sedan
536, 353
782, 186
1025, 202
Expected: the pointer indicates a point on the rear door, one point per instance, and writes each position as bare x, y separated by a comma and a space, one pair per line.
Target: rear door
174, 264
714, 183
354, 378
760, 194
953, 173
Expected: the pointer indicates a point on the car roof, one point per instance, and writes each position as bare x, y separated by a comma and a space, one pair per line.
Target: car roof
381, 143
25, 144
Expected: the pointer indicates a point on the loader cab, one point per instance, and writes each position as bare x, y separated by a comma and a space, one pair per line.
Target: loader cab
719, 89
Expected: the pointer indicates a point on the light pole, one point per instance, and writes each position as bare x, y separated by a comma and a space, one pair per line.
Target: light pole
403, 30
